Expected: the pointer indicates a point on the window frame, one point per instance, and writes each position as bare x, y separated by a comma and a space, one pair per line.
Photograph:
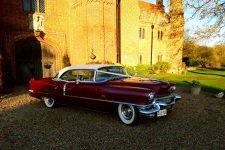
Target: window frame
37, 4
141, 33
160, 57
160, 35
93, 80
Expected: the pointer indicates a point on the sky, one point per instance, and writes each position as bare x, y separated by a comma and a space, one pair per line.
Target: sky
191, 24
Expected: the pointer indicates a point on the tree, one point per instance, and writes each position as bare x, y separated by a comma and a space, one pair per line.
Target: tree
211, 11
220, 52
198, 55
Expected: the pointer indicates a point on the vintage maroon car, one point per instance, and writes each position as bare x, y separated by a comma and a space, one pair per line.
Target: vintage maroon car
106, 87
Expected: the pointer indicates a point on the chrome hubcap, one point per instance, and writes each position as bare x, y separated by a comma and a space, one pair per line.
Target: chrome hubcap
50, 101
127, 112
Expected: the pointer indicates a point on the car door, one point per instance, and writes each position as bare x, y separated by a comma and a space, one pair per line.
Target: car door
80, 92
81, 88
55, 89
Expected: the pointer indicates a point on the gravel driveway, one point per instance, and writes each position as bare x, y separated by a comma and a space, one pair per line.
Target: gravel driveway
195, 123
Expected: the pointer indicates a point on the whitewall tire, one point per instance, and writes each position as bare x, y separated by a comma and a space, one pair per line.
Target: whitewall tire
49, 102
128, 114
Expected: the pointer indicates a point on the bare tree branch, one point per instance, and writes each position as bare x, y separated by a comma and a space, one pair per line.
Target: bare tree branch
212, 12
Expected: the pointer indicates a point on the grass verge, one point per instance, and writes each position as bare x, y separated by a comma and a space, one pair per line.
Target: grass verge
212, 80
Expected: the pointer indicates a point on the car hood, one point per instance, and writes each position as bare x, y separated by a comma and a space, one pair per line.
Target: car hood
160, 87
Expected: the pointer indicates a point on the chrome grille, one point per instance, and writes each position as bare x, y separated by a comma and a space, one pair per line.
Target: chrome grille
166, 99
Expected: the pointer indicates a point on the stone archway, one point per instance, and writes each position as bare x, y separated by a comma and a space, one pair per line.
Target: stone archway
34, 59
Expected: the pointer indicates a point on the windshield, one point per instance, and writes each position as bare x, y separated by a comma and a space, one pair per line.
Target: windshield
110, 73
114, 69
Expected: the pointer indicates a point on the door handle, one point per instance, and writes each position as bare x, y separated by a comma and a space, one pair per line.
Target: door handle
55, 88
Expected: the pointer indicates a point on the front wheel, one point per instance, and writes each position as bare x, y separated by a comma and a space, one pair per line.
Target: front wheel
128, 114
49, 102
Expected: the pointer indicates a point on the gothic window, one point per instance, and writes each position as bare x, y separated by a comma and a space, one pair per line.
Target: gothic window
26, 5
142, 33
160, 35
140, 59
42, 6
34, 6
160, 58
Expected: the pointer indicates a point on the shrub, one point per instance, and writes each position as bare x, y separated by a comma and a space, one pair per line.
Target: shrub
195, 83
143, 69
194, 63
162, 67
130, 70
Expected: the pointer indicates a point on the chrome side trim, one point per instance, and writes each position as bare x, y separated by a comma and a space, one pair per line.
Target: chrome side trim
109, 101
64, 88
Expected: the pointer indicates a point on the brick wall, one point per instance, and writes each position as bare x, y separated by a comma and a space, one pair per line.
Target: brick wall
130, 13
136, 50
83, 28
94, 31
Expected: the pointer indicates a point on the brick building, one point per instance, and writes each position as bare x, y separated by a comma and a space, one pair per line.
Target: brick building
39, 37
150, 35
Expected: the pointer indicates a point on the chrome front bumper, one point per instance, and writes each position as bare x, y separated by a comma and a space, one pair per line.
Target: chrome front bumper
158, 103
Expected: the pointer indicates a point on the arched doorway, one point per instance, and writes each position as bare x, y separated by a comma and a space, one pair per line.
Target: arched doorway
28, 60
33, 59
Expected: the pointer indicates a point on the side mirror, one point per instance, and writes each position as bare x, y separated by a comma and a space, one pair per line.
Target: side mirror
77, 81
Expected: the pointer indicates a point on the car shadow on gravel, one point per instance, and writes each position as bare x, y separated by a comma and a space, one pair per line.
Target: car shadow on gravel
13, 92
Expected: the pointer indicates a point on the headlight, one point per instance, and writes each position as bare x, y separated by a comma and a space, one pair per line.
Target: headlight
173, 88
151, 96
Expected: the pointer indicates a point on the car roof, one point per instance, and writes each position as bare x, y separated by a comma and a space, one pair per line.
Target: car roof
86, 67
92, 67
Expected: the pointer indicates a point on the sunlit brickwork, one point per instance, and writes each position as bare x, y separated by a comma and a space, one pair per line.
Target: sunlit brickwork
87, 31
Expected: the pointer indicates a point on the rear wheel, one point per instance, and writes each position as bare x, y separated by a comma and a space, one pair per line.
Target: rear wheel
49, 102
128, 114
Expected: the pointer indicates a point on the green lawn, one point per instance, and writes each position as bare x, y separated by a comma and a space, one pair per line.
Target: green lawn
212, 80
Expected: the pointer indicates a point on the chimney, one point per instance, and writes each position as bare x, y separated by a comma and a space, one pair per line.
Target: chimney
176, 7
159, 2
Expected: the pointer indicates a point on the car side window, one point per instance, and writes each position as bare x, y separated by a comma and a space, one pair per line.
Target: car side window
85, 75
82, 75
101, 76
69, 76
